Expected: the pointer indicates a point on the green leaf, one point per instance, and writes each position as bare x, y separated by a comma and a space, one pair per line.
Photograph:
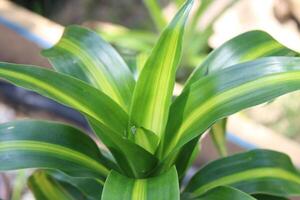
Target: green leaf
186, 156
163, 187
39, 144
154, 88
133, 159
44, 187
99, 108
90, 188
225, 92
245, 47
156, 13
222, 193
69, 91
218, 134
83, 54
124, 38
257, 171
145, 138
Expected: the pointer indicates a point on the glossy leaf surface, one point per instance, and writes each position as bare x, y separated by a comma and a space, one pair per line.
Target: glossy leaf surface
85, 55
162, 187
154, 88
39, 144
257, 171
226, 92
68, 91
245, 47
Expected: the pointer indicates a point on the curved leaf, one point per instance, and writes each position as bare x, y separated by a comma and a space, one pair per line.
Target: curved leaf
69, 91
99, 108
40, 144
222, 193
44, 187
245, 47
85, 55
257, 171
163, 187
133, 159
226, 92
90, 188
154, 88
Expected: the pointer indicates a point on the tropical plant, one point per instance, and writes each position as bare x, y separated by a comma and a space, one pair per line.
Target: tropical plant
150, 139
139, 41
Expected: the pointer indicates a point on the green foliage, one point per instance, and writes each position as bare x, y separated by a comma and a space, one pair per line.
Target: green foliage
153, 139
195, 45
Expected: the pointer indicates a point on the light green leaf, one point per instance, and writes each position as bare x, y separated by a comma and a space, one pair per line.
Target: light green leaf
145, 138
222, 193
163, 187
44, 187
245, 47
39, 144
126, 39
257, 171
228, 91
154, 88
83, 54
218, 134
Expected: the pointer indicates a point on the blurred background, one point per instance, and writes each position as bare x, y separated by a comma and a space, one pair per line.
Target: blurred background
132, 26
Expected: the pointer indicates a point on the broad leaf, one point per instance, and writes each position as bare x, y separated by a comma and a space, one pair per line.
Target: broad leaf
162, 187
245, 47
44, 187
222, 193
85, 55
154, 88
257, 171
39, 144
69, 91
226, 92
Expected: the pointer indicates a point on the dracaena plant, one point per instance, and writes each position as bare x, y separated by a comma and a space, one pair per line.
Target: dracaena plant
151, 139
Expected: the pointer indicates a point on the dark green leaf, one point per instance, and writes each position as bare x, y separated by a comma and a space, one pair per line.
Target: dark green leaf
69, 91
39, 144
222, 193
91, 188
257, 171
